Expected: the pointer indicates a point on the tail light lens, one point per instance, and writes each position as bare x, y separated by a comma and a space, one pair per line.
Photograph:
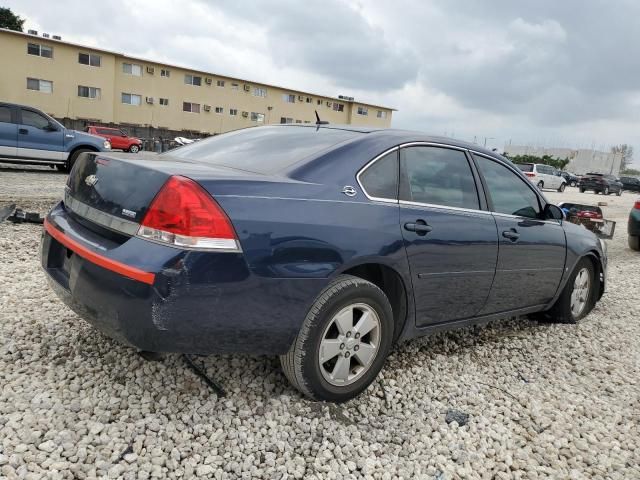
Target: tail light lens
637, 205
184, 215
530, 174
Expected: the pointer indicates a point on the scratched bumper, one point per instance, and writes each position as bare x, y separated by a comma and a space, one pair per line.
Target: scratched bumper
199, 302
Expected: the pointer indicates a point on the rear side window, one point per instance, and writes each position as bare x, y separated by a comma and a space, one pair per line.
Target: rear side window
263, 149
380, 179
437, 176
5, 115
509, 193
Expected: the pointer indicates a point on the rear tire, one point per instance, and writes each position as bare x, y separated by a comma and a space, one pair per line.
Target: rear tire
573, 184
329, 339
570, 307
619, 192
540, 185
582, 190
606, 191
634, 242
134, 148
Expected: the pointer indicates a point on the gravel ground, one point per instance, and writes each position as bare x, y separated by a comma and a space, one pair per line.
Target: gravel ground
544, 401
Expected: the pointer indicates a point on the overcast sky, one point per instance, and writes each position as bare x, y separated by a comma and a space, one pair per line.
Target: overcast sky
547, 72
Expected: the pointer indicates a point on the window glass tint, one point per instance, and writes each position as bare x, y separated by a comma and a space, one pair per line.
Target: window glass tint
509, 193
5, 114
264, 149
525, 167
439, 176
34, 119
381, 178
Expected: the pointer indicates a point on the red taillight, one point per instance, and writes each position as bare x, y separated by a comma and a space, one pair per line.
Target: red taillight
637, 205
183, 214
530, 174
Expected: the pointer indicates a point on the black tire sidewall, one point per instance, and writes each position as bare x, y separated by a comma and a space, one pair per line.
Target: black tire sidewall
363, 293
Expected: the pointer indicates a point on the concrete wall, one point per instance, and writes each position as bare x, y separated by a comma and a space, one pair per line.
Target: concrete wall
581, 161
67, 74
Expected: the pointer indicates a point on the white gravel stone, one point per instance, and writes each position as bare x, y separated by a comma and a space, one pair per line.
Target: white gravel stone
544, 401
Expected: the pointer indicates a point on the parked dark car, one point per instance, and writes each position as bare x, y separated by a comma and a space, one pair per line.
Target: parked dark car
631, 184
633, 227
324, 245
572, 180
600, 183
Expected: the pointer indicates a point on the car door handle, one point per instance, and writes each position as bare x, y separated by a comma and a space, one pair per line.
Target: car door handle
23, 131
420, 227
512, 234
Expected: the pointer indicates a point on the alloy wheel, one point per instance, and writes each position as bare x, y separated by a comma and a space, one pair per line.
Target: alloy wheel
349, 344
580, 294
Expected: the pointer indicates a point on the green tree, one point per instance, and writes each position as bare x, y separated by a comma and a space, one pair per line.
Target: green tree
627, 154
10, 20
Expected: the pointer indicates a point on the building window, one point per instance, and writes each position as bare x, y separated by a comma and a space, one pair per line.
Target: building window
319, 102
132, 69
89, 59
88, 92
164, 102
219, 110
363, 111
131, 99
165, 73
257, 117
259, 92
338, 107
298, 121
44, 86
286, 120
309, 100
382, 114
39, 50
235, 86
233, 111
307, 121
220, 83
193, 80
289, 98
190, 107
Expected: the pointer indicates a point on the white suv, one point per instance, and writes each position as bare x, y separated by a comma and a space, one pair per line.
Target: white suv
543, 176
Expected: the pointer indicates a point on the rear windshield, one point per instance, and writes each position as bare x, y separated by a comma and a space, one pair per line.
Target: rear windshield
581, 208
525, 167
263, 149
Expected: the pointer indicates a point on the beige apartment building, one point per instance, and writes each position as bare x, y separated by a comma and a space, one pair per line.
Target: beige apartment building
76, 82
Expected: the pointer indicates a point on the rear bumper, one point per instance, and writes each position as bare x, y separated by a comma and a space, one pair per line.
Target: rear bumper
633, 227
164, 299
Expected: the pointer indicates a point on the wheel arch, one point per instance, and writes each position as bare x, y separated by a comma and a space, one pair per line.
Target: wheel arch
391, 282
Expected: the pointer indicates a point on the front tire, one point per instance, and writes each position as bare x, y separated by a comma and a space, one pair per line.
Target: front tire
573, 184
578, 297
619, 192
562, 187
72, 159
634, 242
582, 190
606, 191
343, 342
134, 148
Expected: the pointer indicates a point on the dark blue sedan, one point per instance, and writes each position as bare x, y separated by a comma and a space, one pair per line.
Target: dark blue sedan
322, 244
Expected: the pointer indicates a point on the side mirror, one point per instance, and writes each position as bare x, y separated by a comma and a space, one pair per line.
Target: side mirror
553, 212
51, 128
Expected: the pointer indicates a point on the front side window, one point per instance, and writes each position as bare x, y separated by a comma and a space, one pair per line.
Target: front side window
34, 119
193, 80
380, 179
5, 115
509, 193
132, 69
131, 99
437, 176
44, 86
90, 59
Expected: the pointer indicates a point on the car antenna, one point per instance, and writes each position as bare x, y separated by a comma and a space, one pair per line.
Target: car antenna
320, 122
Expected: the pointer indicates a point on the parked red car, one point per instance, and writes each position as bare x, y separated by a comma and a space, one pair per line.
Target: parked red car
119, 140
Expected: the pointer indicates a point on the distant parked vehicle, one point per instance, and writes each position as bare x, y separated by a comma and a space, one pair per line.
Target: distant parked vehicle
633, 227
119, 139
600, 183
631, 184
543, 176
570, 178
30, 136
